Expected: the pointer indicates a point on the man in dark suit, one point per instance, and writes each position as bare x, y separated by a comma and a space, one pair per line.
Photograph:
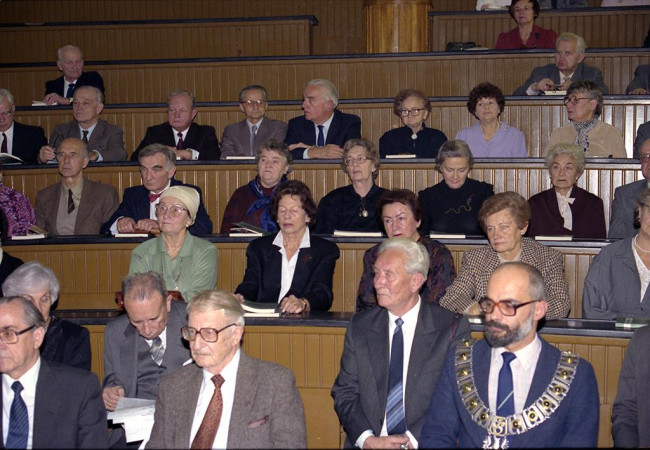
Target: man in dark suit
392, 355
71, 63
517, 389
65, 402
225, 398
23, 141
568, 68
145, 343
189, 140
321, 132
105, 142
138, 208
622, 223
76, 205
245, 138
640, 85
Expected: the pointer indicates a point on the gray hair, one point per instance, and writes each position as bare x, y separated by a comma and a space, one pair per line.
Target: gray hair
278, 147
182, 92
455, 148
5, 94
77, 141
252, 87
141, 285
589, 88
154, 149
218, 301
31, 314
331, 93
97, 91
416, 254
536, 285
574, 151
31, 275
581, 45
59, 52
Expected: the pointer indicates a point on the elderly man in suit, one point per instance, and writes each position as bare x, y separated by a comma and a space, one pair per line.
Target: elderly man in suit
640, 85
622, 223
513, 389
569, 67
245, 138
226, 399
22, 141
76, 205
105, 142
44, 404
138, 208
144, 344
71, 63
189, 140
323, 130
392, 355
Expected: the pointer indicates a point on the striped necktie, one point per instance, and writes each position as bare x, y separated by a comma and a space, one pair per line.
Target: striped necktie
395, 419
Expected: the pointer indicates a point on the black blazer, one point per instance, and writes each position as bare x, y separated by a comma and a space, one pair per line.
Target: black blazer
7, 266
86, 79
311, 280
201, 138
66, 343
28, 140
343, 127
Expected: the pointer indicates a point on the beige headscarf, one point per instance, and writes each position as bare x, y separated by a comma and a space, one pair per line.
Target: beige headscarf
188, 196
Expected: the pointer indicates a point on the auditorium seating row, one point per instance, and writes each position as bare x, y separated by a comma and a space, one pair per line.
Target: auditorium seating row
362, 77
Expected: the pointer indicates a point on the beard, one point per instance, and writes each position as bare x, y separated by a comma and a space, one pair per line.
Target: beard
510, 336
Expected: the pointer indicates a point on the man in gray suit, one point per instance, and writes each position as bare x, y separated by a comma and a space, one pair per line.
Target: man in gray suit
226, 399
145, 343
569, 67
245, 138
622, 222
382, 392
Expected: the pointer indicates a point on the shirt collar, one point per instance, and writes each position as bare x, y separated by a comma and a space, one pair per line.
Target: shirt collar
304, 243
525, 355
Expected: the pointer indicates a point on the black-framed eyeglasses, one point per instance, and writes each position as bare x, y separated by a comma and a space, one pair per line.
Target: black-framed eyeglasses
8, 336
410, 112
507, 307
207, 334
575, 100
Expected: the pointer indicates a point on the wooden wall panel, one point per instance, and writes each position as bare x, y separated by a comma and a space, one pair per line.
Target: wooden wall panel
470, 5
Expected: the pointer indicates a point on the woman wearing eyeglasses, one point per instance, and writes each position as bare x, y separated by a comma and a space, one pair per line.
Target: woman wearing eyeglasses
584, 104
489, 137
353, 207
413, 108
292, 267
504, 218
187, 263
526, 34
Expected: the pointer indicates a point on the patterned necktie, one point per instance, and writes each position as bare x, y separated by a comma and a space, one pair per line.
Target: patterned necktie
157, 350
180, 144
5, 145
395, 420
210, 424
70, 90
153, 197
70, 201
505, 392
18, 420
320, 139
253, 134
85, 136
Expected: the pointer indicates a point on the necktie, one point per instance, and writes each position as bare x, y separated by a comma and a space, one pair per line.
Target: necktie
210, 424
70, 201
70, 90
153, 197
320, 139
5, 145
505, 393
253, 134
157, 351
395, 420
180, 144
85, 136
18, 420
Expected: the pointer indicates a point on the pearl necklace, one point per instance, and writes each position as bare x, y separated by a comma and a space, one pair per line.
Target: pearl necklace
639, 247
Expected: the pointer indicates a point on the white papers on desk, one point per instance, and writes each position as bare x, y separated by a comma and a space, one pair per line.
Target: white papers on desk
136, 416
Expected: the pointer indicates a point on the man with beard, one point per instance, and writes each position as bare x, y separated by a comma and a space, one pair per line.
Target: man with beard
513, 389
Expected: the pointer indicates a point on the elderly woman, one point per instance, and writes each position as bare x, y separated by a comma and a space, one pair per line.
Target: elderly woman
452, 205
353, 207
504, 218
250, 203
17, 208
401, 215
584, 104
64, 342
617, 282
413, 108
526, 34
187, 263
490, 138
291, 267
566, 209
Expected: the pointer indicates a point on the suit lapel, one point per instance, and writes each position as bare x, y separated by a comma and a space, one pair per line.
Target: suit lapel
52, 206
129, 360
184, 415
85, 204
45, 407
190, 137
378, 349
333, 131
310, 132
421, 351
243, 401
301, 274
96, 137
481, 357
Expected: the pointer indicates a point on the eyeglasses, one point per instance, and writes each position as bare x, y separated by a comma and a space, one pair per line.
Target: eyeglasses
174, 210
6, 114
507, 307
410, 112
644, 159
352, 161
575, 100
8, 336
207, 334
252, 103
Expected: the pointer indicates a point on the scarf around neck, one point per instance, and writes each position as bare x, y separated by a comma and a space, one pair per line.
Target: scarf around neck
263, 201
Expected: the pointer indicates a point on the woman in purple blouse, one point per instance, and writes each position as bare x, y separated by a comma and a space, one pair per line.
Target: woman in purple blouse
17, 208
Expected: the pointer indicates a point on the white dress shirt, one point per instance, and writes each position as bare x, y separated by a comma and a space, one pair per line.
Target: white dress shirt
28, 394
195, 153
326, 127
289, 265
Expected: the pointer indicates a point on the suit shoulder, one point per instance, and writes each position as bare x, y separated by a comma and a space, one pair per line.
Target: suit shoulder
70, 376
270, 369
441, 314
346, 117
117, 326
52, 188
71, 328
111, 127
99, 186
323, 244
297, 121
180, 376
208, 129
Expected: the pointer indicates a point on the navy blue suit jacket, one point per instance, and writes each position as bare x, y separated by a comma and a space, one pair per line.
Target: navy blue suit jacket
86, 79
343, 127
28, 140
135, 204
7, 266
201, 138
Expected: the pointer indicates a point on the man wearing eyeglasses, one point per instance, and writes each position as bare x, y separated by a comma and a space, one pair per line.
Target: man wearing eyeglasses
189, 140
245, 138
226, 399
513, 389
144, 344
22, 141
44, 404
